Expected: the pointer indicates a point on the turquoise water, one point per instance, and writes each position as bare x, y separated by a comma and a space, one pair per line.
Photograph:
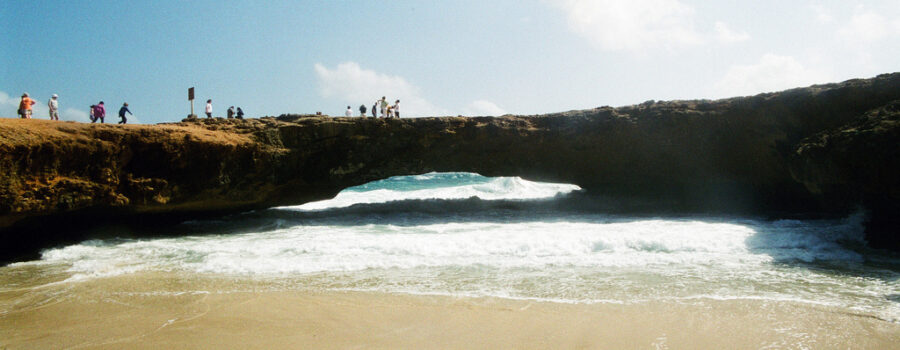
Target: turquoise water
467, 235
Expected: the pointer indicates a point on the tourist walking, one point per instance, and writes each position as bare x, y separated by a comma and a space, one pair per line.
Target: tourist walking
396, 109
99, 112
25, 106
209, 108
230, 112
53, 105
122, 112
240, 113
362, 110
375, 109
348, 112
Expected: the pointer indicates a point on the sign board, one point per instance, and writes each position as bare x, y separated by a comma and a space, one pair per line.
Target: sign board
191, 94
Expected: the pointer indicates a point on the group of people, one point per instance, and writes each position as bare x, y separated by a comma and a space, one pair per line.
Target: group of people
97, 112
26, 105
239, 114
387, 111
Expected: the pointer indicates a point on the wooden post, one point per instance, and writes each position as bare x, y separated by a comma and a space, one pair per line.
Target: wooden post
191, 98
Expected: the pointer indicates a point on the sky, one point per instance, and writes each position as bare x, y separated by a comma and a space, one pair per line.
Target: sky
438, 57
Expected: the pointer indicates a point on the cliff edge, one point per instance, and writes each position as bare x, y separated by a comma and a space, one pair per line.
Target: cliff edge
825, 148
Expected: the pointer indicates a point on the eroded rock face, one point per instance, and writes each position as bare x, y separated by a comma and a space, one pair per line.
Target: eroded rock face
755, 154
858, 162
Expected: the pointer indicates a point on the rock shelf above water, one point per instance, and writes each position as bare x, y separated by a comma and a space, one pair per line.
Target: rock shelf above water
821, 149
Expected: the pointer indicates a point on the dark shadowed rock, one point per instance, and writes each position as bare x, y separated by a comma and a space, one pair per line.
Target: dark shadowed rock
858, 162
825, 148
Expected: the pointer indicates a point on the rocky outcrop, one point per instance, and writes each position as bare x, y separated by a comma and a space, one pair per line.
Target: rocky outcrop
752, 154
858, 163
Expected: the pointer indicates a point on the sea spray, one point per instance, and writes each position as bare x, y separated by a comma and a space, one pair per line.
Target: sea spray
510, 252
446, 186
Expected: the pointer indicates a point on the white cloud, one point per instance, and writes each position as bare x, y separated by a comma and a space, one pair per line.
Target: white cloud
642, 25
771, 73
822, 14
8, 105
355, 85
868, 27
635, 25
75, 114
483, 108
727, 36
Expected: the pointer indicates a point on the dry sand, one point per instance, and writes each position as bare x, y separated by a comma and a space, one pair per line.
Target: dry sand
116, 313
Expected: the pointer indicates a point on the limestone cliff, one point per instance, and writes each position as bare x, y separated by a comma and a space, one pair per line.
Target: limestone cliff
750, 154
858, 162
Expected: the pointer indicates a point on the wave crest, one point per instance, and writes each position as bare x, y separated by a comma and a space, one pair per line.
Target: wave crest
417, 188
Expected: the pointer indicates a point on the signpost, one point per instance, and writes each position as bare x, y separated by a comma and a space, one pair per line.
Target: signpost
191, 98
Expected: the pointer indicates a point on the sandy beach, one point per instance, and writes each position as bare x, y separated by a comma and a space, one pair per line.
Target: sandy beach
138, 312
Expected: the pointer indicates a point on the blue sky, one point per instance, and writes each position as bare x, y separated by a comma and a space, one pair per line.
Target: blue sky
437, 57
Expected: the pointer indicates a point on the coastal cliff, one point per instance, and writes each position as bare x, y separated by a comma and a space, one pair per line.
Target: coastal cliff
821, 149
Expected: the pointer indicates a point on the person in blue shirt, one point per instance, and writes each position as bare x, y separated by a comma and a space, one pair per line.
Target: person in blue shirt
122, 112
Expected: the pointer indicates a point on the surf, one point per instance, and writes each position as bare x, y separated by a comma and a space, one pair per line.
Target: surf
467, 235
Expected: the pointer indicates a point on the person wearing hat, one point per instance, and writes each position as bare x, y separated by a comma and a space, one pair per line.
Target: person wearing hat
25, 106
122, 113
53, 105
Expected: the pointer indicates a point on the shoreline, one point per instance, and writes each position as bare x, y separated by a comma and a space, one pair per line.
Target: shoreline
120, 312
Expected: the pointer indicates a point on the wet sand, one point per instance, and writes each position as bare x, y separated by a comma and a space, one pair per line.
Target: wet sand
121, 312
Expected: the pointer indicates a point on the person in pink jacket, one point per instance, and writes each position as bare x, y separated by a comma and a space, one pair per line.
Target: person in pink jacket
99, 112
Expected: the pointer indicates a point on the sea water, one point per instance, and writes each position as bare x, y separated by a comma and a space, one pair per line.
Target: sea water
461, 234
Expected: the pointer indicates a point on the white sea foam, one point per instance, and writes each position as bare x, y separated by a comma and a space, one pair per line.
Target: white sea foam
505, 188
572, 258
564, 259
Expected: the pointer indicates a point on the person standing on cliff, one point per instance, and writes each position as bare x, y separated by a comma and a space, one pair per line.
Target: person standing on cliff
99, 112
396, 109
362, 110
348, 112
209, 108
53, 105
25, 106
230, 112
375, 109
122, 112
93, 117
240, 113
384, 105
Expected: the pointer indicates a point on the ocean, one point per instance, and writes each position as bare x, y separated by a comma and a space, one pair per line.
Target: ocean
462, 234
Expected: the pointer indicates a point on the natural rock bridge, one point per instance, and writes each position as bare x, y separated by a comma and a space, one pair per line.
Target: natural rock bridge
825, 148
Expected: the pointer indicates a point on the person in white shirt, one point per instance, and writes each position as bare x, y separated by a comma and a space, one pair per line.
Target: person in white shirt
54, 107
349, 112
209, 108
396, 109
